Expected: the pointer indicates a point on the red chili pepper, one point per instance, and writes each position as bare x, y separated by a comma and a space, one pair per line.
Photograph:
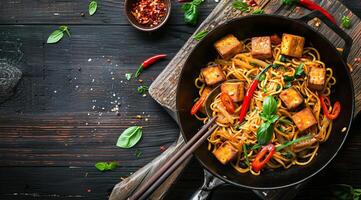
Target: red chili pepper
198, 105
148, 62
263, 157
311, 6
227, 102
335, 110
249, 94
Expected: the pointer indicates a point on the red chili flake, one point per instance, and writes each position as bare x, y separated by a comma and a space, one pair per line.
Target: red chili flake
252, 3
162, 148
149, 12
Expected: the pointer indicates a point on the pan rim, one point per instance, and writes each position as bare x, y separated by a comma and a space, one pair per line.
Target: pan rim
225, 179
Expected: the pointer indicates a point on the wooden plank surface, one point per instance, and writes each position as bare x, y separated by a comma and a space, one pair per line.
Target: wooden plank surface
46, 148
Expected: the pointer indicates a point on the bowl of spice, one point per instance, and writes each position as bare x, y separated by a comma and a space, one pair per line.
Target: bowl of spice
147, 15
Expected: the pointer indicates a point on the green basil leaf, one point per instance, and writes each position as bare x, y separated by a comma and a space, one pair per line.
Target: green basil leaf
65, 29
262, 77
112, 165
101, 166
186, 6
129, 137
272, 118
288, 78
269, 106
93, 5
128, 76
299, 71
200, 35
142, 89
346, 22
258, 11
265, 133
191, 15
240, 5
55, 36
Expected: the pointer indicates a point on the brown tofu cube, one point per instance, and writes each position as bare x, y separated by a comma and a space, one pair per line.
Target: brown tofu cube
234, 90
204, 94
316, 78
304, 119
225, 153
213, 75
292, 45
261, 47
291, 98
228, 46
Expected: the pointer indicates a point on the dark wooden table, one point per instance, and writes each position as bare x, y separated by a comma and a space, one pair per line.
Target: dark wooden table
59, 123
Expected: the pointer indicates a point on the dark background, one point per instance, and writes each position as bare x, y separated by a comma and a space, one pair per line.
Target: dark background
50, 135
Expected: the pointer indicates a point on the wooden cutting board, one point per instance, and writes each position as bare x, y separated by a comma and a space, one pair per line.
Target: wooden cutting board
163, 89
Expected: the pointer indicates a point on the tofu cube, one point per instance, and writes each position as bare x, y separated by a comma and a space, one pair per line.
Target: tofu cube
225, 153
234, 90
291, 98
213, 75
261, 47
204, 94
316, 78
292, 45
304, 119
228, 46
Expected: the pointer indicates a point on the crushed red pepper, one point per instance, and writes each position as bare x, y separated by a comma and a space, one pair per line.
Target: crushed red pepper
149, 12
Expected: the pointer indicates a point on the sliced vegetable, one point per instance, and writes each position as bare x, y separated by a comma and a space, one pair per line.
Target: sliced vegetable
297, 140
263, 157
249, 94
198, 105
148, 62
227, 102
335, 110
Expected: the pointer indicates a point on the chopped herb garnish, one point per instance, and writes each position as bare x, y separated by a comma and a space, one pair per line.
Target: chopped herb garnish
346, 22
200, 35
240, 5
287, 85
106, 166
286, 144
299, 71
258, 11
128, 76
245, 154
263, 77
142, 89
264, 90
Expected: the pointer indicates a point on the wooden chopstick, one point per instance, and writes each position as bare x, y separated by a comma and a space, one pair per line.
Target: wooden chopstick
149, 186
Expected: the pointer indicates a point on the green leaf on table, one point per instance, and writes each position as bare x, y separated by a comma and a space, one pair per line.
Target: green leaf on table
129, 137
106, 166
142, 89
55, 36
191, 11
93, 5
64, 29
128, 76
346, 22
241, 5
258, 11
200, 35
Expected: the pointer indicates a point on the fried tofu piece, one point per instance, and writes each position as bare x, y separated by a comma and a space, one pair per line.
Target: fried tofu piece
292, 45
228, 46
261, 47
291, 98
205, 94
213, 75
234, 90
316, 78
304, 119
225, 153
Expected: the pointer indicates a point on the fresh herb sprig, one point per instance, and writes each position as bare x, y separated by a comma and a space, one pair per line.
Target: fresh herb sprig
299, 71
130, 137
58, 34
241, 5
142, 89
191, 11
92, 8
346, 22
269, 117
106, 166
200, 35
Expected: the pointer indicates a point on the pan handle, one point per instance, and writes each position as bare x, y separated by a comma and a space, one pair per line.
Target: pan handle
334, 27
209, 184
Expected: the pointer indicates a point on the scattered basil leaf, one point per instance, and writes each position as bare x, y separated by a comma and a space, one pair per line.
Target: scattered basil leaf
245, 154
346, 22
64, 29
58, 34
191, 11
240, 5
106, 166
286, 144
262, 78
200, 35
258, 11
264, 133
299, 71
129, 137
138, 153
128, 76
269, 106
142, 89
93, 5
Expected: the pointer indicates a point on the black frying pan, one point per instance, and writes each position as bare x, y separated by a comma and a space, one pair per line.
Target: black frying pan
260, 25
